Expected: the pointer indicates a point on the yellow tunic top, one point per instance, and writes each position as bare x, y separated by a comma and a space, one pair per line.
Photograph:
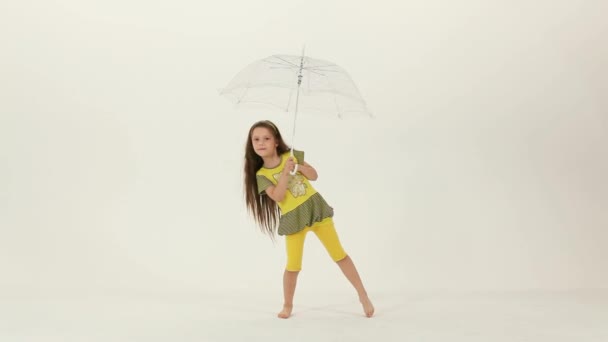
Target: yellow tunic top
303, 205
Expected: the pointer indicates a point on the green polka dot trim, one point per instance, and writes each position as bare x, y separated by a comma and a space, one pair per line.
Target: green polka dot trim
299, 156
263, 183
315, 209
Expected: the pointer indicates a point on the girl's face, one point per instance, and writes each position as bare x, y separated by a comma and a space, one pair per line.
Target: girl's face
263, 141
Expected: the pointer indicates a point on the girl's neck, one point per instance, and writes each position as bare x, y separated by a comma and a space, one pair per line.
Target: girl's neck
272, 161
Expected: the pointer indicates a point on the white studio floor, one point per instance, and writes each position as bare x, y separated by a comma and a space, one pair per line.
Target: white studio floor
413, 316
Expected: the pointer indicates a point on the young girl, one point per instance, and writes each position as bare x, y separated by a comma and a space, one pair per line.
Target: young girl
274, 194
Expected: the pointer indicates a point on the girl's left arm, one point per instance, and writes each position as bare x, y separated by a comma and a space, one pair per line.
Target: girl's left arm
308, 171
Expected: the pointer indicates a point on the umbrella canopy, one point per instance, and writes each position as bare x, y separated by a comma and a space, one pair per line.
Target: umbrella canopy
286, 81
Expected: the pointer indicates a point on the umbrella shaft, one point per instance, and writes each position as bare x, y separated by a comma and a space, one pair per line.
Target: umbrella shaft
295, 115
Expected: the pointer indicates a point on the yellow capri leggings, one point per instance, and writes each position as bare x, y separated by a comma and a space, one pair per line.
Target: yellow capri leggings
325, 231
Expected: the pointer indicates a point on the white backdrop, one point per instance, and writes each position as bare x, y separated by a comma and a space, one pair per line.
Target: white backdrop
484, 168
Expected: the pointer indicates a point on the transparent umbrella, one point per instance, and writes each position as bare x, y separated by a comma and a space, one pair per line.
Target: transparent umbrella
298, 83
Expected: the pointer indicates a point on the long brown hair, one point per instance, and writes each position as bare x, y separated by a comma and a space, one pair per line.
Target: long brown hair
264, 210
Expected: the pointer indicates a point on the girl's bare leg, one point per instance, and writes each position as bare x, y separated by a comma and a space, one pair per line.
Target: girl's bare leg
350, 271
290, 280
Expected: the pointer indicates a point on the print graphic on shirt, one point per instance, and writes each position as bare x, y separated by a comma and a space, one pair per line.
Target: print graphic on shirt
295, 185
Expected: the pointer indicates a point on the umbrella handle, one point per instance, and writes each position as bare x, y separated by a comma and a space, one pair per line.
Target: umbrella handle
295, 170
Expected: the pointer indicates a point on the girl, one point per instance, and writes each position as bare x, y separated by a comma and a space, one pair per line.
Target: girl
277, 190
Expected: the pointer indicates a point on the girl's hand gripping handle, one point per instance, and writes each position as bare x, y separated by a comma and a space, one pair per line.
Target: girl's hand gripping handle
291, 166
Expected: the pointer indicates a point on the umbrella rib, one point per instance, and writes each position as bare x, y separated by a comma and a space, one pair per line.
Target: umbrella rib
314, 72
338, 109
259, 85
324, 65
322, 70
289, 100
240, 98
286, 61
282, 67
280, 64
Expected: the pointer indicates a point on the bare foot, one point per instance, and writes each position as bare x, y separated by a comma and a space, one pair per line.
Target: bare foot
286, 312
368, 307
